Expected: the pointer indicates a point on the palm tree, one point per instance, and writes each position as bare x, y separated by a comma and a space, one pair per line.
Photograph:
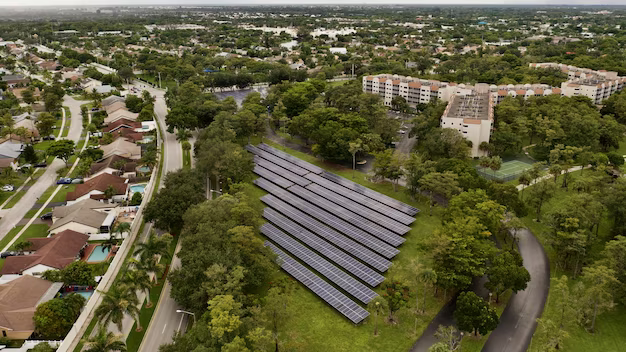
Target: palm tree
116, 302
150, 265
109, 243
139, 280
121, 227
104, 341
182, 135
155, 245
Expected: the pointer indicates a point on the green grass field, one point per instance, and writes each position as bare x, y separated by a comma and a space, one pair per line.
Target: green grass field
36, 230
68, 122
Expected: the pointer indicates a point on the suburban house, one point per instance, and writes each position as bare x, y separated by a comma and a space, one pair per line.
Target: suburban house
15, 80
96, 187
110, 166
18, 93
90, 84
87, 216
18, 300
121, 124
128, 134
47, 253
10, 150
120, 114
27, 121
123, 148
112, 99
115, 106
104, 89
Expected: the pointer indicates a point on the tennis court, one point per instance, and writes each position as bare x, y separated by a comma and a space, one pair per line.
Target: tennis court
510, 170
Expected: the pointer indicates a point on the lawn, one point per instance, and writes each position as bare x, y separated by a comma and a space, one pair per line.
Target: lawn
68, 121
36, 230
611, 325
32, 212
43, 145
16, 198
61, 194
323, 329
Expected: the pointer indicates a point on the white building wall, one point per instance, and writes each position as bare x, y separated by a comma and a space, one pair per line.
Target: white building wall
37, 270
74, 226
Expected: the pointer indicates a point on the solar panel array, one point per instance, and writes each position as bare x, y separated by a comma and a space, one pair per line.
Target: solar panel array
343, 231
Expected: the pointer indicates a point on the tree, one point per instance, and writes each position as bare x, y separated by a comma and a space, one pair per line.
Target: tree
76, 273
224, 317
104, 341
136, 199
597, 294
276, 312
506, 272
552, 335
54, 319
138, 280
117, 302
355, 147
126, 73
615, 258
154, 246
378, 306
62, 149
183, 188
449, 336
21, 246
297, 98
525, 180
428, 277
109, 192
28, 95
397, 295
444, 184
45, 123
417, 167
474, 315
29, 154
540, 193
495, 164
42, 347
555, 170
399, 103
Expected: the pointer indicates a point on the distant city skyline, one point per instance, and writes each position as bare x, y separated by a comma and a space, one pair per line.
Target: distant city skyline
48, 3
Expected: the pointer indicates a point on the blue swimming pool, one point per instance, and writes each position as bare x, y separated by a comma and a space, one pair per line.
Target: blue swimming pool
85, 294
144, 169
99, 254
137, 188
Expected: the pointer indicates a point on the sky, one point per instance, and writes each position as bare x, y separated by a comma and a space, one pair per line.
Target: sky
302, 2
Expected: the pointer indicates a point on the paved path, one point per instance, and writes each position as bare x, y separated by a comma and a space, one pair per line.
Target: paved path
519, 319
13, 215
548, 176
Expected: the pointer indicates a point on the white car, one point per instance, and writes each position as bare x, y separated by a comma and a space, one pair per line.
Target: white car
8, 188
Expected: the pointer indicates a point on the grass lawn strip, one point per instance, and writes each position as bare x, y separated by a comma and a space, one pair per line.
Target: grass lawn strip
68, 121
15, 196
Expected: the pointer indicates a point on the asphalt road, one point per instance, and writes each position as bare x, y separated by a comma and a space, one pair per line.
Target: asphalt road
519, 319
12, 216
165, 321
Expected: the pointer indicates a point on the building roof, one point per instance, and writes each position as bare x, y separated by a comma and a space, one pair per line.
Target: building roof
112, 99
8, 78
475, 107
56, 251
61, 212
20, 297
120, 114
104, 89
11, 149
122, 147
121, 123
115, 106
110, 162
99, 183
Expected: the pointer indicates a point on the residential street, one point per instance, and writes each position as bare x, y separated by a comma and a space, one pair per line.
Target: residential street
10, 217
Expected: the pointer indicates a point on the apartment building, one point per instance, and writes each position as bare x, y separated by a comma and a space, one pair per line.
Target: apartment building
472, 115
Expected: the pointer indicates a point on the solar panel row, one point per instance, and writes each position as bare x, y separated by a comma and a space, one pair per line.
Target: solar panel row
331, 252
279, 153
367, 256
323, 289
321, 265
364, 200
356, 234
394, 203
272, 177
280, 171
348, 216
276, 160
359, 209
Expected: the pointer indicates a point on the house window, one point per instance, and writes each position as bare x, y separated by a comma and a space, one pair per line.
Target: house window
4, 333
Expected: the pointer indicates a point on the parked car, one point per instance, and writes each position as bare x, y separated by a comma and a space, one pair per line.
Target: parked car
64, 181
95, 109
46, 216
8, 188
7, 254
48, 138
77, 180
41, 164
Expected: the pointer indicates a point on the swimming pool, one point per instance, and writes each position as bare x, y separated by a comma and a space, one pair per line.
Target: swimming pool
144, 169
137, 188
147, 139
98, 255
85, 294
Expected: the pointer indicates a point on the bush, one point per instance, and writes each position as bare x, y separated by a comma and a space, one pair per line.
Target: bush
615, 159
136, 199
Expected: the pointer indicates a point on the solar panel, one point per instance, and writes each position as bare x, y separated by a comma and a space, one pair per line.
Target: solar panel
321, 265
350, 217
356, 234
272, 177
357, 208
394, 203
281, 172
323, 289
276, 160
279, 153
364, 200
326, 249
352, 247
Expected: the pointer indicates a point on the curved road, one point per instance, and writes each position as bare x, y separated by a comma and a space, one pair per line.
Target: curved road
519, 319
10, 217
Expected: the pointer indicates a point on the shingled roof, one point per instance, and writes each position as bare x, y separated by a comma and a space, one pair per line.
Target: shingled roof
20, 297
57, 252
99, 183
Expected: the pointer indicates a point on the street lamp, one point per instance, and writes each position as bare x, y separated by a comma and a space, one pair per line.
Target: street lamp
490, 294
186, 312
